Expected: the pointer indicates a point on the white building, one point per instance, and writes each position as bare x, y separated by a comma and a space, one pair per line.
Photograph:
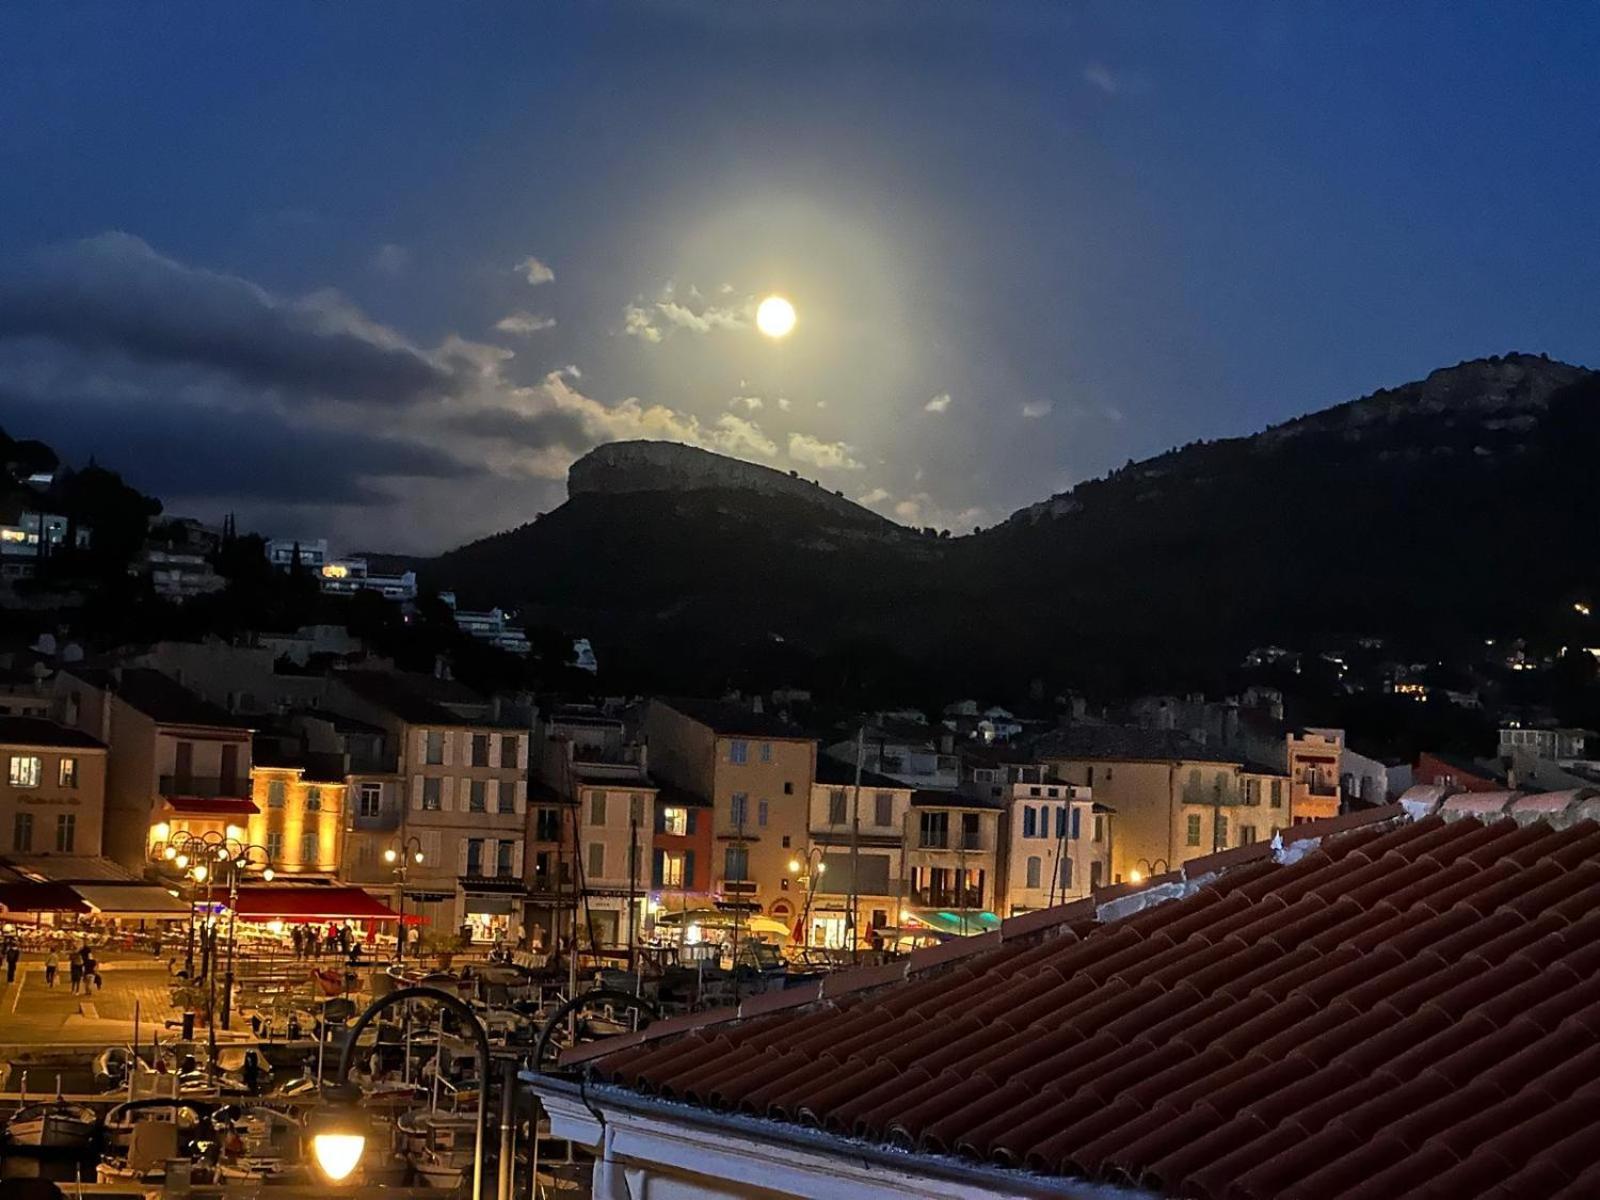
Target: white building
1556, 745
1052, 854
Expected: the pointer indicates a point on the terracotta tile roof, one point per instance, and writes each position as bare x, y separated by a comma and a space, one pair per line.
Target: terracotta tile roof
1402, 1002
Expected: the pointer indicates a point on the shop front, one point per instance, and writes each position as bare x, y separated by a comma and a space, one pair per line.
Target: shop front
491, 911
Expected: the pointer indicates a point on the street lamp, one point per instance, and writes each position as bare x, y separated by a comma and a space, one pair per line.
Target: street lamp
340, 1137
400, 856
809, 868
1151, 867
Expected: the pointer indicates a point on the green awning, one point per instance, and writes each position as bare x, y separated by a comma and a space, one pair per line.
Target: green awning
944, 920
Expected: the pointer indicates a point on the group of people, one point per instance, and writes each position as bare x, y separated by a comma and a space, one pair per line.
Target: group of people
311, 942
82, 968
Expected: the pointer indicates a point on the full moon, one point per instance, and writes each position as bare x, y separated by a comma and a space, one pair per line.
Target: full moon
775, 317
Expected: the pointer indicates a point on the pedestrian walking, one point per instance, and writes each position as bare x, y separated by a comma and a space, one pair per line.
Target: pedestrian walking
294, 940
51, 962
75, 969
98, 982
12, 955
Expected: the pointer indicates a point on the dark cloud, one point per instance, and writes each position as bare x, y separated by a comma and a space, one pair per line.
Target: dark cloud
188, 450
114, 294
529, 431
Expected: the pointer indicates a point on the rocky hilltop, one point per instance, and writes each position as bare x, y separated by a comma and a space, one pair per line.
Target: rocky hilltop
645, 466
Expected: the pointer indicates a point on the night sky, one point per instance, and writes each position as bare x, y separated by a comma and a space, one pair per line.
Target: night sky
379, 272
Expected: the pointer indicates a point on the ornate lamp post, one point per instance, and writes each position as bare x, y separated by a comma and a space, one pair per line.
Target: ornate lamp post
809, 867
400, 856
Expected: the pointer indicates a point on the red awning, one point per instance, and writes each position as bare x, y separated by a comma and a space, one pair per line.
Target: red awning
40, 897
311, 904
213, 806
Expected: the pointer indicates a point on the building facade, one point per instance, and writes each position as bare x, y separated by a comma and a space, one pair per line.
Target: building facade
52, 792
754, 774
1314, 773
857, 849
1057, 846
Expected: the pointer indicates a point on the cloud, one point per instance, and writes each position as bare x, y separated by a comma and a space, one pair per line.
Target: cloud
876, 496
683, 310
1035, 409
835, 456
939, 404
534, 271
923, 510
522, 323
1114, 82
391, 259
114, 295
783, 403
748, 403
738, 436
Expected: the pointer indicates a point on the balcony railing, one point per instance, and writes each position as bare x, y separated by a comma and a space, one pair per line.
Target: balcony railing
947, 898
933, 841
206, 787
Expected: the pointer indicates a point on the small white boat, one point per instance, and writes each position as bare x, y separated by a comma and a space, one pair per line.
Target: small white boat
52, 1126
440, 1171
118, 1124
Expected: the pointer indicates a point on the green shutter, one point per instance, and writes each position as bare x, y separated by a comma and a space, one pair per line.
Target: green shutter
693, 815
656, 868
688, 861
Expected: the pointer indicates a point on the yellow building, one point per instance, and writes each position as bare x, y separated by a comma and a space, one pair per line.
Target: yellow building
756, 773
1314, 791
300, 812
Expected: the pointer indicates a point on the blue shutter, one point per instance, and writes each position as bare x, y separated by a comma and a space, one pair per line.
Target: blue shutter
656, 871
693, 816
1076, 813
1029, 821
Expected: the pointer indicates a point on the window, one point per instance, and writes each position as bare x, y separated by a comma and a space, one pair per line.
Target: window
432, 794
1222, 830
597, 859
597, 808
1033, 791
475, 856
1061, 823
1277, 793
477, 796
547, 825
480, 749
836, 807
761, 813
502, 858
1099, 828
308, 847
1191, 832
675, 821
1247, 834
1034, 865
66, 832
1108, 774
739, 808
26, 770
275, 793
736, 864
970, 838
67, 773
1077, 831
766, 752
313, 799
1030, 822
672, 874
738, 753
1053, 793
505, 797
788, 787
22, 831
434, 749
1066, 876
883, 810
1097, 874
371, 800
508, 750
275, 845
934, 829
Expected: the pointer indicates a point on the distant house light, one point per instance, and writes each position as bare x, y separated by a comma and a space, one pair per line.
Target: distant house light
335, 571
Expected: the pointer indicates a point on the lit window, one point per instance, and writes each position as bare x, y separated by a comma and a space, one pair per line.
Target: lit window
672, 863
26, 770
68, 773
675, 821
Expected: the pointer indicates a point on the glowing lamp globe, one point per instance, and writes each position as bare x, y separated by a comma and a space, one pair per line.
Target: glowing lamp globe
338, 1139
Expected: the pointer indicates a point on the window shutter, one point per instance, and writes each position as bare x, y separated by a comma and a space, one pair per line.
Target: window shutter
422, 746
689, 827
449, 746
491, 795
688, 864
661, 819
657, 874
522, 752
520, 798
447, 793
461, 864
416, 791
